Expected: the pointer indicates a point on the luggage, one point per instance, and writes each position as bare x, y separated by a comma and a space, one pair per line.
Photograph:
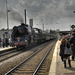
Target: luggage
67, 51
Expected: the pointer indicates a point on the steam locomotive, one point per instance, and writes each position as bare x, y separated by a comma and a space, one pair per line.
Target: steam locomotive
24, 35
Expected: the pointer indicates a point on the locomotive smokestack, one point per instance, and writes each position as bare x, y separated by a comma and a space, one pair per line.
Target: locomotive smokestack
22, 24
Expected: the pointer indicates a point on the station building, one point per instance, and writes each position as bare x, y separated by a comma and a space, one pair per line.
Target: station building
4, 32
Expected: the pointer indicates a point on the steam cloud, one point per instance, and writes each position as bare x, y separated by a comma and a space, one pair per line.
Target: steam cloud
13, 16
16, 16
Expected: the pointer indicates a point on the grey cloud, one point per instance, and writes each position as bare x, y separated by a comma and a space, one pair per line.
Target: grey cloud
70, 7
48, 12
2, 14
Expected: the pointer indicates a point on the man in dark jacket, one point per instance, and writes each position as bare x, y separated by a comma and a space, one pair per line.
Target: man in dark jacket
6, 41
72, 43
0, 42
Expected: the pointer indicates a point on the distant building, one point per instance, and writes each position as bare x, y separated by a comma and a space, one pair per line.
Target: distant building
4, 32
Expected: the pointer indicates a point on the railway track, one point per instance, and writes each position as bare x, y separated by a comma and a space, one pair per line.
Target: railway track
31, 65
6, 54
9, 55
44, 66
13, 52
13, 61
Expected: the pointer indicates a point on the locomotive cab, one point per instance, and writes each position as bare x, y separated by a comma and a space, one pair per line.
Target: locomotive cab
39, 35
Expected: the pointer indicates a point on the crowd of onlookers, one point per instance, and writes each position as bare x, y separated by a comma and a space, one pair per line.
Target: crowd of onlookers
4, 42
67, 43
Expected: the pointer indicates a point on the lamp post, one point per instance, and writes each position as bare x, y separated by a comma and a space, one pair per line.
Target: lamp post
7, 18
42, 24
73, 26
25, 15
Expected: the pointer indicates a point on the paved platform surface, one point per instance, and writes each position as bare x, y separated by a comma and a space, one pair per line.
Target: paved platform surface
5, 48
57, 66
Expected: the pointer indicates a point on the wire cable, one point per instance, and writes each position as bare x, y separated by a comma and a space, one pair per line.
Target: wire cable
9, 4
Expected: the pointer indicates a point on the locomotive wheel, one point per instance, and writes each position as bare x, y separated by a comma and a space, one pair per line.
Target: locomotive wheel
39, 41
17, 47
26, 46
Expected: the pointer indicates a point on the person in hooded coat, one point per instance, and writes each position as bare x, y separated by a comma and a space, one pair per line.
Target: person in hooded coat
62, 49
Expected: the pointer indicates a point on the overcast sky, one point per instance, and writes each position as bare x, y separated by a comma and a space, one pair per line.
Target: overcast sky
54, 14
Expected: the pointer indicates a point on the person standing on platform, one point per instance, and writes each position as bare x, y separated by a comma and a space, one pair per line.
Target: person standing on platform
64, 57
72, 43
3, 40
6, 41
0, 41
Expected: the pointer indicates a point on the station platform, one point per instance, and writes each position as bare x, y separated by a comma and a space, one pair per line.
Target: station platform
57, 66
5, 48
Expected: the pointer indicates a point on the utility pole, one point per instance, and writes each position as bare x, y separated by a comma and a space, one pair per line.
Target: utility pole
43, 26
25, 15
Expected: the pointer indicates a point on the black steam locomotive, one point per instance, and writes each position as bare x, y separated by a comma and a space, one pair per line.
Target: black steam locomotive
24, 35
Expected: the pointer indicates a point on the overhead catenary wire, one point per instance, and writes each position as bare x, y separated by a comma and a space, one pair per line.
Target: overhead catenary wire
9, 4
